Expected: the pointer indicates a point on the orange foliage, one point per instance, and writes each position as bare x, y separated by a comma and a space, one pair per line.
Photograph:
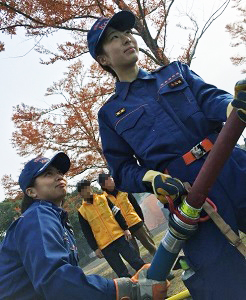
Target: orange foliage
46, 18
237, 31
69, 126
1, 47
11, 187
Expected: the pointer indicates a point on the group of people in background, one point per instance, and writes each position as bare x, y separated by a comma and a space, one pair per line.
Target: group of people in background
111, 222
39, 256
155, 123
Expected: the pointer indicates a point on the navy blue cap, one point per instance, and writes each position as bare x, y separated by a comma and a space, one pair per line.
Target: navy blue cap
38, 165
121, 21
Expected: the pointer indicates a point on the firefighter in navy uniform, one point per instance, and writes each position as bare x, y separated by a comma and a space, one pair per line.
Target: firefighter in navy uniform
167, 121
38, 256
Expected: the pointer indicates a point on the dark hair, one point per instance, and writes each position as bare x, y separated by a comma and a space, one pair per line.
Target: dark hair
81, 184
100, 51
27, 201
102, 178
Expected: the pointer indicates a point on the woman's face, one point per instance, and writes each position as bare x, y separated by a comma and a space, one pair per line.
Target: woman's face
120, 49
50, 185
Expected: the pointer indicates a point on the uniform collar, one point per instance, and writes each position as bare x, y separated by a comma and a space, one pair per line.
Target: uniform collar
45, 203
114, 192
63, 214
122, 88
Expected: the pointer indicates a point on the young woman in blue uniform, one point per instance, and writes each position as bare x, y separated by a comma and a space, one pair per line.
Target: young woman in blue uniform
151, 125
38, 256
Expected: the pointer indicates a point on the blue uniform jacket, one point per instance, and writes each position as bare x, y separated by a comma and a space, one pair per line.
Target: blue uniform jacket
38, 260
149, 124
155, 120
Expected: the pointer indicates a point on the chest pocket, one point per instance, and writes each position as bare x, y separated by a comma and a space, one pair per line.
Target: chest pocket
180, 99
137, 128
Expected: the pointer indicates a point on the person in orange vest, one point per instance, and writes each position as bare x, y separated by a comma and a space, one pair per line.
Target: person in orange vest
131, 211
106, 230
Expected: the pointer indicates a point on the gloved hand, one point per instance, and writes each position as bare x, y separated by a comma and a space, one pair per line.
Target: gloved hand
140, 288
162, 185
239, 101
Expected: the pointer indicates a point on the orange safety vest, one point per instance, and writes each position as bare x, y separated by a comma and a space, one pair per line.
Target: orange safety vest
102, 221
126, 208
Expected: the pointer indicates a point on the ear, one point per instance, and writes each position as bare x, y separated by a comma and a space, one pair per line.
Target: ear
31, 192
103, 60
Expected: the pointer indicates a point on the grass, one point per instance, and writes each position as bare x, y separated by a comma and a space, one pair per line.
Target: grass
176, 286
105, 270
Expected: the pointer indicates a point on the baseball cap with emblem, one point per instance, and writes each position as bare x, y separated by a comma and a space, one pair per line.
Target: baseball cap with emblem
38, 165
121, 21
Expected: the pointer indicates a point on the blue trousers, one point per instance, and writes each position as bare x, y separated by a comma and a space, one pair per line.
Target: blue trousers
122, 247
225, 280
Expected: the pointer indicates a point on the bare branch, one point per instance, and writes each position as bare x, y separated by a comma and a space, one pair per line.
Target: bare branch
164, 23
150, 56
211, 19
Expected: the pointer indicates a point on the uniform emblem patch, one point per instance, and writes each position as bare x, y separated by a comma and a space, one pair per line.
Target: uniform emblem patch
120, 112
176, 82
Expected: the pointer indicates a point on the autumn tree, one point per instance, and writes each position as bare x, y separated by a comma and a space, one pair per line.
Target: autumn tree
71, 125
9, 211
11, 186
237, 31
42, 18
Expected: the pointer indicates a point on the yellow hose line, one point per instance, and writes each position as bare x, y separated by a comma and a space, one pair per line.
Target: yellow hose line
180, 296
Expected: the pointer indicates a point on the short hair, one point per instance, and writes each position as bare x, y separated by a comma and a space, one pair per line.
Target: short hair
81, 184
102, 178
100, 51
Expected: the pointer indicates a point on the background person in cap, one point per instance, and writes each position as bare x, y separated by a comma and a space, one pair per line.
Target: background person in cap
106, 230
150, 125
131, 211
38, 256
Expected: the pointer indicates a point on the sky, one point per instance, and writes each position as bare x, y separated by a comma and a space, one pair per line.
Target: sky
24, 80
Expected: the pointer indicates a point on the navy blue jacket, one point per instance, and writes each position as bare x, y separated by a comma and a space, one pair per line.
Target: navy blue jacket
39, 260
149, 124
155, 121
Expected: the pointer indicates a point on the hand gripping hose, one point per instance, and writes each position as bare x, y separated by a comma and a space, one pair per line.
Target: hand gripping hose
181, 230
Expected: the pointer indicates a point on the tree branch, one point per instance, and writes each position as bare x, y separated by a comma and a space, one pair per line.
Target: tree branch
150, 56
44, 25
164, 24
207, 25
